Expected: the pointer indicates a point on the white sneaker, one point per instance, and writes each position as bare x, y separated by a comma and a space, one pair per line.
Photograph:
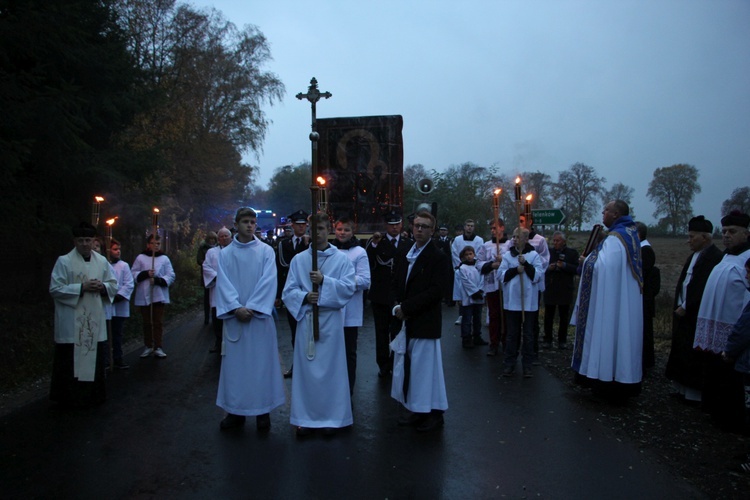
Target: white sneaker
159, 353
458, 321
147, 352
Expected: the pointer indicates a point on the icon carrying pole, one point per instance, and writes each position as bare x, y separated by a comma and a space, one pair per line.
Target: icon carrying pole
313, 95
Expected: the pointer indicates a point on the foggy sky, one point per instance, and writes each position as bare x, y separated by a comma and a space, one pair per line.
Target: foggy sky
623, 86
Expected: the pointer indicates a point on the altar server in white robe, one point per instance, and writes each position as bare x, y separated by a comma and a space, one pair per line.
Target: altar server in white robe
320, 386
609, 310
250, 382
724, 298
354, 310
210, 268
82, 282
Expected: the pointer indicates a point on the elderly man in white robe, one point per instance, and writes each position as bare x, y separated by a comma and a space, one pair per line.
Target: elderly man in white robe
320, 386
82, 282
210, 268
724, 298
250, 382
609, 311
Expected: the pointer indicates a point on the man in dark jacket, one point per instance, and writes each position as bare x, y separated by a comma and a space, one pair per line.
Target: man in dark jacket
420, 278
559, 283
684, 365
381, 250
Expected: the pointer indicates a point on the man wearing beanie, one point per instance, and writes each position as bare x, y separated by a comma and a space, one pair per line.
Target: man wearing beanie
82, 282
723, 299
684, 366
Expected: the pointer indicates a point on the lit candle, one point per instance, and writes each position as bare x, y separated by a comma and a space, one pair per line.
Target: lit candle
518, 189
95, 208
155, 218
496, 201
322, 193
528, 204
110, 223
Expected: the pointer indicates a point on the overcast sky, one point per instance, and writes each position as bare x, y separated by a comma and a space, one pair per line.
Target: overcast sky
623, 86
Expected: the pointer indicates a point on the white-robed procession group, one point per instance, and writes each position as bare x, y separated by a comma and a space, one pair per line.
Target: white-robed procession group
251, 382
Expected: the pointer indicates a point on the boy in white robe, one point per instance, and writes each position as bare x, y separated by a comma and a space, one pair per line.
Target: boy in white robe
81, 284
320, 387
250, 382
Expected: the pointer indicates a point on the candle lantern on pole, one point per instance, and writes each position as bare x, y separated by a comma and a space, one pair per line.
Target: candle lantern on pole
96, 209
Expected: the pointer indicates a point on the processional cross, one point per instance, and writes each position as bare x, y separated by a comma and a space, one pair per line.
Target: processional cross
313, 95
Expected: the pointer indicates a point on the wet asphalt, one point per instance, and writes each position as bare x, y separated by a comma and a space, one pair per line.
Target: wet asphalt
158, 436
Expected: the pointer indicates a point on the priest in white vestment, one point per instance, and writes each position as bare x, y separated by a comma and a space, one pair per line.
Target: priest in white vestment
320, 386
250, 382
82, 282
724, 298
609, 310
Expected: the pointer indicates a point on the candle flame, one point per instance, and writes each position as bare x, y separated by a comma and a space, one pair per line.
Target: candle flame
518, 180
98, 199
321, 180
111, 221
156, 210
498, 191
529, 197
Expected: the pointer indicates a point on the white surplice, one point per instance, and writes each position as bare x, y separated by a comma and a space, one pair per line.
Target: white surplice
724, 298
144, 293
210, 270
80, 318
613, 337
250, 382
320, 386
354, 309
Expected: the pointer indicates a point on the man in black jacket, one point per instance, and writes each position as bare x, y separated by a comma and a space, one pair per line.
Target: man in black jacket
381, 250
420, 278
559, 289
684, 367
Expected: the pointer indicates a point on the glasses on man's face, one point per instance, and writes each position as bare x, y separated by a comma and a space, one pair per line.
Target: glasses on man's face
422, 227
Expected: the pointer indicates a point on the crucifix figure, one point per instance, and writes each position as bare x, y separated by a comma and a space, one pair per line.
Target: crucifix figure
313, 95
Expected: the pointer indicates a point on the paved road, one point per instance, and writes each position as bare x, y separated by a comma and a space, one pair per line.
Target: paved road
158, 436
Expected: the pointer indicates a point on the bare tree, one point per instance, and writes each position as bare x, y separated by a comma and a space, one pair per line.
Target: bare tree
619, 191
538, 184
739, 200
672, 190
577, 191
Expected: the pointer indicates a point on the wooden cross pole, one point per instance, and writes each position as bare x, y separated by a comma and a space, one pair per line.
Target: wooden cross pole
313, 95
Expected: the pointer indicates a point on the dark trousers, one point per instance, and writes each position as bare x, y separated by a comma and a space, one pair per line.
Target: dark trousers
153, 324
649, 356
292, 325
68, 390
471, 320
549, 321
520, 332
206, 303
118, 327
350, 342
217, 325
497, 323
386, 327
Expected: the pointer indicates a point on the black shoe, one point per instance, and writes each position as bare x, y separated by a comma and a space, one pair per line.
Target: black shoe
492, 351
411, 419
289, 372
302, 432
467, 342
478, 340
329, 431
527, 373
433, 422
263, 422
507, 371
232, 421
121, 365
